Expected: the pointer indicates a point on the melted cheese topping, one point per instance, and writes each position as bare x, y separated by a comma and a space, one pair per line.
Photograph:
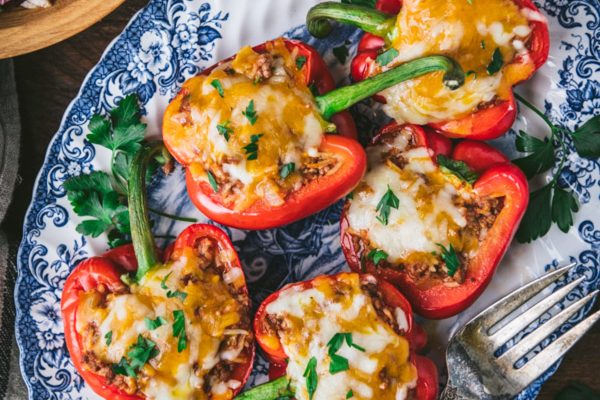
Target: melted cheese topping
287, 118
469, 33
313, 316
210, 312
428, 213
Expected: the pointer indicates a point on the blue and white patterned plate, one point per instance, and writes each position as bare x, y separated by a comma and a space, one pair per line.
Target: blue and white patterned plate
169, 41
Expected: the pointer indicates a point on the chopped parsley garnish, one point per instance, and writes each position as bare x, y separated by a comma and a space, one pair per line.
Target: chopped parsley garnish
251, 149
387, 57
172, 293
471, 72
224, 130
350, 394
338, 364
483, 44
286, 170
450, 258
163, 283
300, 61
497, 62
312, 379
212, 181
139, 354
152, 324
387, 202
314, 89
457, 168
377, 255
250, 113
176, 293
217, 85
179, 330
108, 338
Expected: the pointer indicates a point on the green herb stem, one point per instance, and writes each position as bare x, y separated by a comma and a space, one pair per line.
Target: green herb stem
343, 98
280, 387
318, 19
141, 234
536, 110
171, 216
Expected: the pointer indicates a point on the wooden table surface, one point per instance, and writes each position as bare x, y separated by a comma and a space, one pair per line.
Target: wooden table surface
49, 79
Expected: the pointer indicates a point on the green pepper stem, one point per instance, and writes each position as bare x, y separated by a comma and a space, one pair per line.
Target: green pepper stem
368, 19
141, 234
343, 98
273, 390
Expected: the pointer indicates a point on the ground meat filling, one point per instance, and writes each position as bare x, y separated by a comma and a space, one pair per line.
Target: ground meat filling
481, 213
239, 339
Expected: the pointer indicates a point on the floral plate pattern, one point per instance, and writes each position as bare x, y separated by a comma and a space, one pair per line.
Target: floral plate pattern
170, 40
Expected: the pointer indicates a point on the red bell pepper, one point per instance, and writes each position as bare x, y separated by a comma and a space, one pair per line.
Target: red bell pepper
105, 273
486, 123
498, 178
427, 376
323, 191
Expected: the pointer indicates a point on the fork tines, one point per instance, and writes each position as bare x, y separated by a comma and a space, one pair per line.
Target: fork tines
534, 367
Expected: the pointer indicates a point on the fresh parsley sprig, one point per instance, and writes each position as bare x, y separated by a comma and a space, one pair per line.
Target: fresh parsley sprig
450, 257
312, 378
139, 354
179, 330
552, 203
101, 195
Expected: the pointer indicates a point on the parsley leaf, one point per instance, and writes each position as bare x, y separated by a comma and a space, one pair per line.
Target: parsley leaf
300, 61
450, 258
377, 255
179, 330
212, 181
387, 202
338, 364
341, 53
108, 338
152, 324
92, 196
496, 63
250, 113
217, 85
350, 394
139, 354
387, 57
286, 170
540, 160
251, 149
224, 130
163, 283
123, 132
180, 295
587, 138
312, 379
563, 205
457, 168
483, 44
336, 342
538, 217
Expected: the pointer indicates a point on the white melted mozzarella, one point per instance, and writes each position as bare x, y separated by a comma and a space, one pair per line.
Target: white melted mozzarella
407, 230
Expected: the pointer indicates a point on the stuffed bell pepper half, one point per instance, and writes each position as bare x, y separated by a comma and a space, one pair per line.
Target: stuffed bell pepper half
345, 336
140, 328
435, 223
255, 136
498, 42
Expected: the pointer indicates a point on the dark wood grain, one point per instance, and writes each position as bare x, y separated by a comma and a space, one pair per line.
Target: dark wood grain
49, 79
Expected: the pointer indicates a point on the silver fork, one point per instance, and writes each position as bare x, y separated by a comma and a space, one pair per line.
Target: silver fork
474, 372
